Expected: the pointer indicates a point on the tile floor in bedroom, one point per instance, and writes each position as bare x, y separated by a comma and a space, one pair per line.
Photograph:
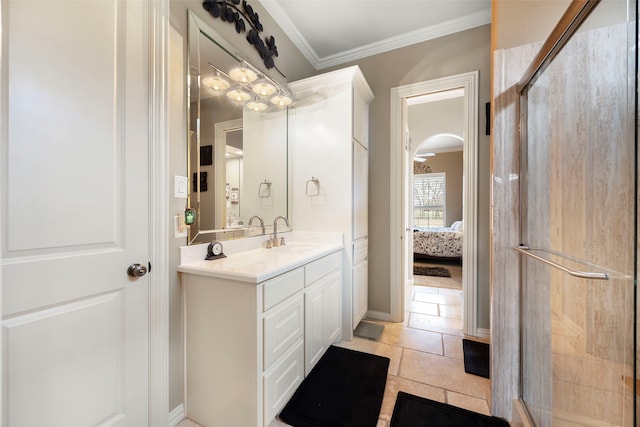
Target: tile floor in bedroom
426, 349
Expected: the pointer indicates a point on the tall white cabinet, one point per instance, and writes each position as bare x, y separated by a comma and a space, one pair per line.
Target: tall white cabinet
329, 129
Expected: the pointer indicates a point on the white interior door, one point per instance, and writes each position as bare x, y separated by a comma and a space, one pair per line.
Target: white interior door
75, 114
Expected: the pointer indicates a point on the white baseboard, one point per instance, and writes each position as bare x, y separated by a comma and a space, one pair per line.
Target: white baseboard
378, 315
176, 415
483, 332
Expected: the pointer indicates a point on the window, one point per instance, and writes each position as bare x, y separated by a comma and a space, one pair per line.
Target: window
429, 195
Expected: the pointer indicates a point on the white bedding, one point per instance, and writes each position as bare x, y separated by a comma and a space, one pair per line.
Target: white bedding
437, 242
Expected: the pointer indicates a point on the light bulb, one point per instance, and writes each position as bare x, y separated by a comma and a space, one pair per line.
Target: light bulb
256, 105
216, 82
238, 95
243, 74
281, 100
263, 88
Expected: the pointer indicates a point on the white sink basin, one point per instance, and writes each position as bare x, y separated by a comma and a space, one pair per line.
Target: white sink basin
295, 247
257, 265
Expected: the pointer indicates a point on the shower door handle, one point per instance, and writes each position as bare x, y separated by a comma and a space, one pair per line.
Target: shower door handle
583, 274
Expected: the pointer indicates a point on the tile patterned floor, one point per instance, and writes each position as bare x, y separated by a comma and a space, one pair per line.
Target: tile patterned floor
426, 350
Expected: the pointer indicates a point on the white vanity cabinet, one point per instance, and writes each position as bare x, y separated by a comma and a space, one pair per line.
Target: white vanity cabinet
322, 314
329, 144
248, 344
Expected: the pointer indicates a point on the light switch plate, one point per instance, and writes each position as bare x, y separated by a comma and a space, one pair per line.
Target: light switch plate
180, 187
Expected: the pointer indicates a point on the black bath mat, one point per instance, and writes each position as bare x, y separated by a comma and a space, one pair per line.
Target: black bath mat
415, 411
476, 357
345, 388
421, 270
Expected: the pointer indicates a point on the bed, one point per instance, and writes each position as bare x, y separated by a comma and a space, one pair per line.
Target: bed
438, 243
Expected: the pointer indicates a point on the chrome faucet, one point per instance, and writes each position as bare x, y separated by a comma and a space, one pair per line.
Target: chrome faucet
275, 242
259, 219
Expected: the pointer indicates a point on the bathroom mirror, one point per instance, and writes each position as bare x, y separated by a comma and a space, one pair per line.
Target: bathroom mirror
237, 160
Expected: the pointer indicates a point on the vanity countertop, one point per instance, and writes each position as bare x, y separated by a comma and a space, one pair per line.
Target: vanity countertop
259, 264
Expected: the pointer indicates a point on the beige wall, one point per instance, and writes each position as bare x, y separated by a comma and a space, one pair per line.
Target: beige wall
516, 23
453, 54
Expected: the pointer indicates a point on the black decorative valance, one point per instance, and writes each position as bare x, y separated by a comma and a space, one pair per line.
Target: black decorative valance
229, 11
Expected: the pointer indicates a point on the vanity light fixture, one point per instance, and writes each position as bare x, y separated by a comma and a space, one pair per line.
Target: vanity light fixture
239, 95
263, 88
243, 74
281, 99
256, 105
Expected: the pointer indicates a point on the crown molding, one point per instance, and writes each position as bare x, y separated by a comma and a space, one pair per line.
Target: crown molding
428, 33
352, 75
291, 30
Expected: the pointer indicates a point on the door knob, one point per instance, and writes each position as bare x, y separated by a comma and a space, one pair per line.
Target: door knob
137, 270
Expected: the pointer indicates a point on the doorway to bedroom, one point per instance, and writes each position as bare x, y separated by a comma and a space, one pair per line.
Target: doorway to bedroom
434, 124
434, 160
436, 151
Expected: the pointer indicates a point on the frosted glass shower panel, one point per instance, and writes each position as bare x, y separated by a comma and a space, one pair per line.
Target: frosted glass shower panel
578, 193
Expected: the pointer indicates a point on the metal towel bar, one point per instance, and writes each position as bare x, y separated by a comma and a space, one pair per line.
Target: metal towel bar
583, 274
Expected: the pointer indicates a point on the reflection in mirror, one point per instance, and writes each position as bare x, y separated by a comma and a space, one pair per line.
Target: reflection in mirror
237, 140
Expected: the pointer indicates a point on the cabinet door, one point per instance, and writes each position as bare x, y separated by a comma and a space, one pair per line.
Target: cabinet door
282, 381
360, 294
360, 191
282, 327
360, 281
333, 308
314, 338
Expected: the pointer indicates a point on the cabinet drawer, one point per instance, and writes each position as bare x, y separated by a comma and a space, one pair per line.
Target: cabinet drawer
320, 268
283, 326
360, 250
280, 382
281, 287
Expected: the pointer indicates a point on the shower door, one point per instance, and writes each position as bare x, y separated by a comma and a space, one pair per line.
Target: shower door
578, 228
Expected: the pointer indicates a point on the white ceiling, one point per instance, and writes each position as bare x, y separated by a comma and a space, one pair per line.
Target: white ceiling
332, 32
435, 125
